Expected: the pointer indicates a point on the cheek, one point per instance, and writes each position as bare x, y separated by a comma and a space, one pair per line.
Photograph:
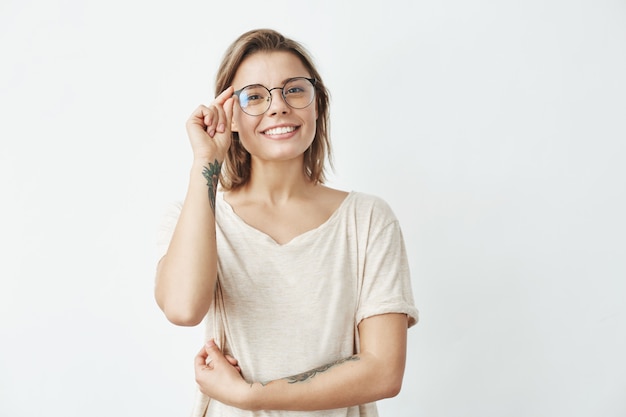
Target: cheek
313, 120
243, 124
246, 130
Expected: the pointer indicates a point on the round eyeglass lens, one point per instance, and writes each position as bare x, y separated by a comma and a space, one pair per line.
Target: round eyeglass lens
254, 99
298, 93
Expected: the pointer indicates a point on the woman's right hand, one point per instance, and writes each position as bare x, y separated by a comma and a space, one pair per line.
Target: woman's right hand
208, 128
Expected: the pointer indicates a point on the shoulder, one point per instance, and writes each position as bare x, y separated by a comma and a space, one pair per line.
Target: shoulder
372, 204
370, 213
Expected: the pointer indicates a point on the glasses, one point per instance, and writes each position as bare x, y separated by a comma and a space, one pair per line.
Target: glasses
256, 99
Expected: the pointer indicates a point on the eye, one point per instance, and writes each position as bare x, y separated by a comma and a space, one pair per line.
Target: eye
253, 95
297, 87
294, 90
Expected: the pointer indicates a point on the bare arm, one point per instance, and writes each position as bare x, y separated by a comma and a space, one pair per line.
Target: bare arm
375, 373
186, 275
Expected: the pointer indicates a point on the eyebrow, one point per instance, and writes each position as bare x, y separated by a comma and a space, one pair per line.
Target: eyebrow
291, 78
282, 82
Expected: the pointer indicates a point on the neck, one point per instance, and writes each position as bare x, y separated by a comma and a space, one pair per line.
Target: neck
277, 181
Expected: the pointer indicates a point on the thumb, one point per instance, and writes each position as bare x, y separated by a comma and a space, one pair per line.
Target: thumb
228, 110
212, 350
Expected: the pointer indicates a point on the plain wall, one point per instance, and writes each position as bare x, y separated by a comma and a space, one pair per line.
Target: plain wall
496, 131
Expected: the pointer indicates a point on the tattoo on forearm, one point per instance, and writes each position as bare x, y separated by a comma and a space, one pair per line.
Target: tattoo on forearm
305, 376
212, 175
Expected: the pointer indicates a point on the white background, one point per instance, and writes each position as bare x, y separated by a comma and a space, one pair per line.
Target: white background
495, 129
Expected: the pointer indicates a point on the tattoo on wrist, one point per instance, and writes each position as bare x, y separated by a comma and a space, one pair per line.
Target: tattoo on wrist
260, 383
305, 376
212, 175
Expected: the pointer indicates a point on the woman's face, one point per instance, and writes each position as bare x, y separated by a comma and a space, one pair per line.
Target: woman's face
281, 133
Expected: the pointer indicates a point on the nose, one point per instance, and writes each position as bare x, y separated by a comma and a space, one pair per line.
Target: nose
277, 104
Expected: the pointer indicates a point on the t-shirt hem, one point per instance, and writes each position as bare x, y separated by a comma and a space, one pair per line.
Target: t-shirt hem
411, 312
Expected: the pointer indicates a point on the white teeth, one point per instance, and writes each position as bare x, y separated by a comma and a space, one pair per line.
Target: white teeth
280, 130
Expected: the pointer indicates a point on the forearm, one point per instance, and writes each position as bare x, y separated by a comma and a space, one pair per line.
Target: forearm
187, 273
351, 381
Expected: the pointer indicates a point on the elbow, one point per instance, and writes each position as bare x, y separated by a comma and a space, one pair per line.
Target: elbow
181, 316
391, 385
184, 320
392, 388
180, 313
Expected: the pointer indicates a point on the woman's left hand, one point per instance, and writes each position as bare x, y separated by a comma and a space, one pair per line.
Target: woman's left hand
219, 376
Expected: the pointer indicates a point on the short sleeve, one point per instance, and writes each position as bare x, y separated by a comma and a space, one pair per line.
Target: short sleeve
386, 286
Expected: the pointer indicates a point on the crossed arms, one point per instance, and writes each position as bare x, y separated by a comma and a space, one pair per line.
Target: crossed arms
373, 374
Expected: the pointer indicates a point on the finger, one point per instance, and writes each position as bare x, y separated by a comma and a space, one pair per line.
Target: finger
220, 123
198, 115
198, 120
234, 362
228, 110
207, 115
220, 102
212, 350
200, 359
211, 119
224, 95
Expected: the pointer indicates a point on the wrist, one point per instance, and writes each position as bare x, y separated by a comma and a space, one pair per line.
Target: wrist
205, 175
206, 160
211, 167
251, 398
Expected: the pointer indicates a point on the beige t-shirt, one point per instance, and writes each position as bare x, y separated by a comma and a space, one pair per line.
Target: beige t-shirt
284, 309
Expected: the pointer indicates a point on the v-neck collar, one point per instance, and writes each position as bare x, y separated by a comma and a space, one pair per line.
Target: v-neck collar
304, 236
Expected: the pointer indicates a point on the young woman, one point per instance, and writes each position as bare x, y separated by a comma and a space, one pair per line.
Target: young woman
304, 289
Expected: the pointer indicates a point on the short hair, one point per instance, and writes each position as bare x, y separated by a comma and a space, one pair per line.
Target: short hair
237, 165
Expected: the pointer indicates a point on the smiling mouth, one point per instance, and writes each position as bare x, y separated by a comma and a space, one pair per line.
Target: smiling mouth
280, 130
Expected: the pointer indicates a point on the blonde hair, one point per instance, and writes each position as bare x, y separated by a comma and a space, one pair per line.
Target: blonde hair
237, 165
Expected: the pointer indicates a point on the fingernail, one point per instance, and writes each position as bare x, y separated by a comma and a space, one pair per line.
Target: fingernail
212, 132
210, 343
220, 128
